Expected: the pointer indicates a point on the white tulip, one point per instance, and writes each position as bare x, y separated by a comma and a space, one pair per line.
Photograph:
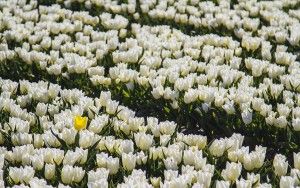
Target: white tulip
222, 184
126, 146
253, 178
98, 184
49, 171
100, 173
283, 110
170, 163
281, 122
111, 106
296, 160
128, 161
113, 165
78, 174
141, 158
86, 138
38, 140
232, 171
143, 141
41, 109
98, 123
67, 174
243, 183
296, 124
280, 165
68, 135
229, 107
217, 148
287, 182
164, 139
37, 162
2, 157
247, 116
22, 174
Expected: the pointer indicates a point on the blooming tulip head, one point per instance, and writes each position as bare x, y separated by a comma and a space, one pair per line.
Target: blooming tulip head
80, 122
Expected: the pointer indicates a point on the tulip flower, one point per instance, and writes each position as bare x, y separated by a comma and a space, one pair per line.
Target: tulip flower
80, 122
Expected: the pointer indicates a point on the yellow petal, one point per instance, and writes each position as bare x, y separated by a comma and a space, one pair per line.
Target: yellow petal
80, 122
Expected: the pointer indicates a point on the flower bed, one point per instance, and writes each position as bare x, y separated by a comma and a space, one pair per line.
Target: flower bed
110, 93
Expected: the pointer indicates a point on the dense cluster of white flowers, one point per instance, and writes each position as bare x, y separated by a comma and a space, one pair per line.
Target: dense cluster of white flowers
179, 68
234, 59
39, 140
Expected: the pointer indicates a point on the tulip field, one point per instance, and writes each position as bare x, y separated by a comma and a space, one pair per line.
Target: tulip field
149, 93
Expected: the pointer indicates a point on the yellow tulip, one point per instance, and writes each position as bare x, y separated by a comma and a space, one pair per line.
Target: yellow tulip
80, 122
